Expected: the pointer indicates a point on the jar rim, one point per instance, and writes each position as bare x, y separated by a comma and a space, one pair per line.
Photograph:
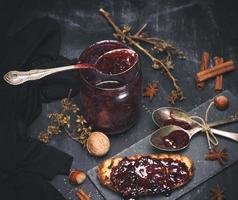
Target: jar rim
117, 88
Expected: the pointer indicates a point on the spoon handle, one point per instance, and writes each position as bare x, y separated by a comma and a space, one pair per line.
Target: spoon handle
227, 134
19, 77
230, 119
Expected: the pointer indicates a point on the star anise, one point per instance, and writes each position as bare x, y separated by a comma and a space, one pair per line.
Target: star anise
216, 193
151, 90
217, 154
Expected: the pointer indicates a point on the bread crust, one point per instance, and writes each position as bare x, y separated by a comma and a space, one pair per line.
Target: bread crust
104, 169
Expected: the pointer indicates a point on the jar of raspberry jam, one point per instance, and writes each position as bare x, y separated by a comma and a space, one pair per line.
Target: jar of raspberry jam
111, 105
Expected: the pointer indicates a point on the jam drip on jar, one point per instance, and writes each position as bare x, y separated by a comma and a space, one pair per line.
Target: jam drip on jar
145, 176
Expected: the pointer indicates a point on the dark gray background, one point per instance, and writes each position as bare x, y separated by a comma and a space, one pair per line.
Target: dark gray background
193, 26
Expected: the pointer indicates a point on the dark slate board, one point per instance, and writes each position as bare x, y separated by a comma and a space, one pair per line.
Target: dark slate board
204, 170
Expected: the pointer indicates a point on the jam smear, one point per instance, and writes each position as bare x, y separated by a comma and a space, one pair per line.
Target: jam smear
176, 139
146, 176
176, 122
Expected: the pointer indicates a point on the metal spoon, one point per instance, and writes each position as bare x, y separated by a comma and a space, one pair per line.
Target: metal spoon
19, 77
164, 113
156, 139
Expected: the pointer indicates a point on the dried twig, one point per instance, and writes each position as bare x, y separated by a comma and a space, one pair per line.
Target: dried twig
159, 47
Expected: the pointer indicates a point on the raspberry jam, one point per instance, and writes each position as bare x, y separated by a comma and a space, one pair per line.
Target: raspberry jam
117, 61
146, 176
176, 139
176, 122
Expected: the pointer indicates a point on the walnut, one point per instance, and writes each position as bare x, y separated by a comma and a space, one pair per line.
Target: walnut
98, 144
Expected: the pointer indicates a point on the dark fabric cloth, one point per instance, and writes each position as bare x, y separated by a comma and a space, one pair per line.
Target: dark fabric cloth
26, 165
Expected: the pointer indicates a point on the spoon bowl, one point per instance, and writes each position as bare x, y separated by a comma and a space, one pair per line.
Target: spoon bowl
158, 138
167, 115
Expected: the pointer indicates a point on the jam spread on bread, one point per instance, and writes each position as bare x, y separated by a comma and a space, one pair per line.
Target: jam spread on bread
146, 175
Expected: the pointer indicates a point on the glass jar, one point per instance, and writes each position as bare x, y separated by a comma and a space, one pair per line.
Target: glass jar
111, 105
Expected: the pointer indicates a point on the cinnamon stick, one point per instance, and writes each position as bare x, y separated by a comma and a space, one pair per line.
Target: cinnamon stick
215, 71
219, 79
82, 195
203, 66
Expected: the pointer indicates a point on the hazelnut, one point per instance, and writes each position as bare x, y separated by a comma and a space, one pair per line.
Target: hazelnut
98, 144
77, 177
221, 102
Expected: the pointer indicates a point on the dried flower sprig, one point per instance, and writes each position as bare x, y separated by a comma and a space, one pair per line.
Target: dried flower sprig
220, 155
216, 193
62, 122
158, 47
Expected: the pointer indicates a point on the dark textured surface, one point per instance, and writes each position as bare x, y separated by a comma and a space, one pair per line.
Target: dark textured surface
193, 26
204, 170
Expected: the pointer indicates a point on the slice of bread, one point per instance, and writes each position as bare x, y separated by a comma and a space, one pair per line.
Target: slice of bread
105, 168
